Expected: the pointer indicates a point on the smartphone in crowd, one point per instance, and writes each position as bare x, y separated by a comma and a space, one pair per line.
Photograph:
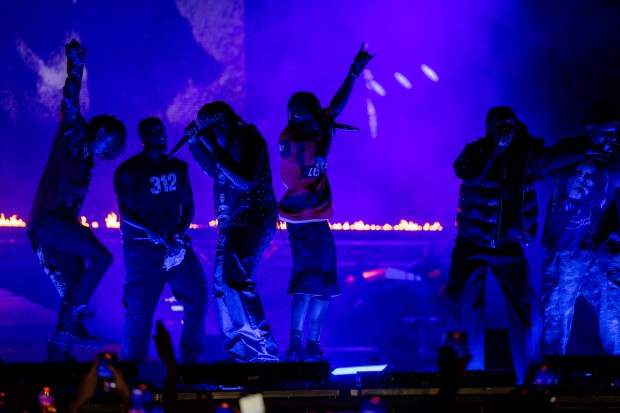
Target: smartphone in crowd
103, 370
545, 376
142, 400
46, 401
457, 341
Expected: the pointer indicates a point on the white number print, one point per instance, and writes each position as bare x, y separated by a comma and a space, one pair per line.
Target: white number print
167, 183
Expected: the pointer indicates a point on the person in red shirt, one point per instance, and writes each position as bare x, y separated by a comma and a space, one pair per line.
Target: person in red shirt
307, 205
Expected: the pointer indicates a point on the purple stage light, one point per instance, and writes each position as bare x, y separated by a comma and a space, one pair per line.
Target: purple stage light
376, 87
430, 73
402, 79
372, 118
341, 371
372, 84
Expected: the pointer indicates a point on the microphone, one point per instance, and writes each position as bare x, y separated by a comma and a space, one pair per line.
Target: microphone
179, 145
342, 126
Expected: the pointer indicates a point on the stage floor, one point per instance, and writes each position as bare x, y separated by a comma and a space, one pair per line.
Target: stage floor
378, 319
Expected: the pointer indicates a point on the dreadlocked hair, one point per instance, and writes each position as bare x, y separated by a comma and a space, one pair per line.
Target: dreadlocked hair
217, 111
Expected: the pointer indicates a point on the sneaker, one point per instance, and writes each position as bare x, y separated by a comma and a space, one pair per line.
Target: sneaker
296, 355
314, 352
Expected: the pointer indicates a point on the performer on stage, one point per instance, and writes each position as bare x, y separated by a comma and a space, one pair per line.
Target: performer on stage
497, 213
62, 244
156, 207
582, 241
306, 208
235, 155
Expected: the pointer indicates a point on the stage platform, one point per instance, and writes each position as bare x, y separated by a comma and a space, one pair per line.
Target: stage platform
388, 312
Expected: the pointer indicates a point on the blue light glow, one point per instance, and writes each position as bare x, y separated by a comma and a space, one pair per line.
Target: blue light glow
341, 371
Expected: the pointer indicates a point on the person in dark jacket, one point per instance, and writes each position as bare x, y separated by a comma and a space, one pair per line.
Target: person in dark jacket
62, 244
581, 236
497, 213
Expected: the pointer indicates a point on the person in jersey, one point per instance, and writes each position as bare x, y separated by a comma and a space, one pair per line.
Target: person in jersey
156, 207
306, 208
581, 239
235, 155
62, 244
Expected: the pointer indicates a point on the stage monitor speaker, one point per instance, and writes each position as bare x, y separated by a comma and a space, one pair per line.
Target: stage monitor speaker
66, 375
399, 380
253, 374
584, 370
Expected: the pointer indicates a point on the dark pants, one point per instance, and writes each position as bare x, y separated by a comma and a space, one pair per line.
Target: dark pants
567, 274
314, 259
144, 285
465, 299
63, 246
246, 334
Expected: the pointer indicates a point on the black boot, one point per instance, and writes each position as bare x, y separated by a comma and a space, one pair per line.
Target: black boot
313, 351
58, 353
71, 330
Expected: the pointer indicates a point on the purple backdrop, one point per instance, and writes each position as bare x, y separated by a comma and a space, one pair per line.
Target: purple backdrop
167, 60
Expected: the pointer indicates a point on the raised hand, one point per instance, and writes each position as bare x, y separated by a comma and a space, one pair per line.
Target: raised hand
504, 141
163, 344
86, 389
191, 131
76, 53
195, 132
121, 385
360, 61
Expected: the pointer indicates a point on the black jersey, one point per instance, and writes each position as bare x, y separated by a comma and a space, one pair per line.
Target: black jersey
157, 192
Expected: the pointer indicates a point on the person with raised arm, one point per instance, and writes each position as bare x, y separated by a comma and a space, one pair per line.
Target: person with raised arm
306, 208
63, 245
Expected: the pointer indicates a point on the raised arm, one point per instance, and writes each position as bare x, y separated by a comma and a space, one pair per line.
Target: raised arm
474, 161
244, 172
70, 104
76, 56
340, 99
544, 160
165, 351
